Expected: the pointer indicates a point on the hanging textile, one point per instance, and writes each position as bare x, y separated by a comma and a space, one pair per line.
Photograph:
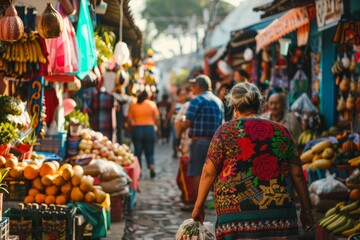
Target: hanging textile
86, 41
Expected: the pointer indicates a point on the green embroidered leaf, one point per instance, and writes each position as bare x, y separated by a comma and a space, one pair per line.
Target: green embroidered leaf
249, 173
256, 181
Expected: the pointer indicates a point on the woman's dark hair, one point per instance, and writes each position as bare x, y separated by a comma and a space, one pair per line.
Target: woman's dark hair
142, 96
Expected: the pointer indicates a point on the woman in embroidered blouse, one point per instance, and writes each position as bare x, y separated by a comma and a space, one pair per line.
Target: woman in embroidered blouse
254, 167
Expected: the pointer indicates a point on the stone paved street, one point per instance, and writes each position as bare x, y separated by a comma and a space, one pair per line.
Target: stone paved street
157, 214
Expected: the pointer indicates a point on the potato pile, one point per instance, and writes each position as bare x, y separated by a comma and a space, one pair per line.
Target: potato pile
99, 145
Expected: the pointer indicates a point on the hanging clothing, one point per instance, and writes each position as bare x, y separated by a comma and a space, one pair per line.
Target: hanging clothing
100, 111
51, 103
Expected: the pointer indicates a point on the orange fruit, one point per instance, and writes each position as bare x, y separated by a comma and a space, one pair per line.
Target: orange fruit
50, 199
47, 168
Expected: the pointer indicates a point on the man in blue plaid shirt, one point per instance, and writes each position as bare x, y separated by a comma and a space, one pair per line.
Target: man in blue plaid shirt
204, 115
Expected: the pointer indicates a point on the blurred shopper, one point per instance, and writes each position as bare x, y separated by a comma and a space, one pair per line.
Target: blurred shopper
253, 166
223, 91
181, 97
144, 120
164, 108
203, 116
277, 112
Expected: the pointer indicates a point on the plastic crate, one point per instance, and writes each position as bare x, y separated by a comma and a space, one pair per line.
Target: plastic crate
24, 223
17, 189
52, 143
4, 226
33, 224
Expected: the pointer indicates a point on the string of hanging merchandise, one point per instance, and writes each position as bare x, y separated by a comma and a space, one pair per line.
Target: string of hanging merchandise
121, 20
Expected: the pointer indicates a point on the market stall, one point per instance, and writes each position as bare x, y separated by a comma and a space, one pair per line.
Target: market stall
46, 143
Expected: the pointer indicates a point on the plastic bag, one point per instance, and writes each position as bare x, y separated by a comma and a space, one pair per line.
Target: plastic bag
327, 185
303, 104
192, 230
279, 78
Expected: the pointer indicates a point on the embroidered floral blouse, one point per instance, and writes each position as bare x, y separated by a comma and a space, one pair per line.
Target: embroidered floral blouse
252, 158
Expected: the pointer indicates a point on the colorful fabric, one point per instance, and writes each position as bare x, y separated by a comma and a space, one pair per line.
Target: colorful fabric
100, 112
253, 190
206, 112
184, 182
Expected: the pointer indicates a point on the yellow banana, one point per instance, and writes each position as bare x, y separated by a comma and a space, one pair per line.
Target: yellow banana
20, 69
33, 49
16, 68
14, 52
39, 52
21, 52
24, 67
351, 231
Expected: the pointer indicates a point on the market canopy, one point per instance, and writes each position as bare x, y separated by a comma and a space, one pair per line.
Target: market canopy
290, 21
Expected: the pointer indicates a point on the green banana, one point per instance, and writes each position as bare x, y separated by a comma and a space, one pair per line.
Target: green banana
356, 211
339, 222
348, 225
330, 220
350, 207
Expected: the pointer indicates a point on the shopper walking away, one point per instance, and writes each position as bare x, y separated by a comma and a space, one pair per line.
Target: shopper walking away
144, 120
253, 165
203, 116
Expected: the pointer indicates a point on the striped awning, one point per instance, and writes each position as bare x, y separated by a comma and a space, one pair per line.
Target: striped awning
290, 21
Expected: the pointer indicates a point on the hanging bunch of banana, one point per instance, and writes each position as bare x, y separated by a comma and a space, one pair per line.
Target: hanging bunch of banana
22, 56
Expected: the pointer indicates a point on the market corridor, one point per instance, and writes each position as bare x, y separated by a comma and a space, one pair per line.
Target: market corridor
157, 213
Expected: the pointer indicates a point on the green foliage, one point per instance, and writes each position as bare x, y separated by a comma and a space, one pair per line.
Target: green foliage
3, 173
180, 78
77, 117
8, 133
10, 105
178, 13
163, 13
104, 41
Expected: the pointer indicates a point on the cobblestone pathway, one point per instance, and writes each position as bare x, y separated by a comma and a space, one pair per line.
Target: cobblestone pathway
157, 214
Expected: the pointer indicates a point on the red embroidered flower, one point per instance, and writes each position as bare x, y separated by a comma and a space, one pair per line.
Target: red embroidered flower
265, 167
246, 148
263, 147
258, 130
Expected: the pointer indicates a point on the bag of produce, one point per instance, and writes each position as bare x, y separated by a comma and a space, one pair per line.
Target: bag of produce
192, 230
327, 185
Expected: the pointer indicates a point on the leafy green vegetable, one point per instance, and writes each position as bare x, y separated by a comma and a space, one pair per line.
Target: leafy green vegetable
10, 105
8, 133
